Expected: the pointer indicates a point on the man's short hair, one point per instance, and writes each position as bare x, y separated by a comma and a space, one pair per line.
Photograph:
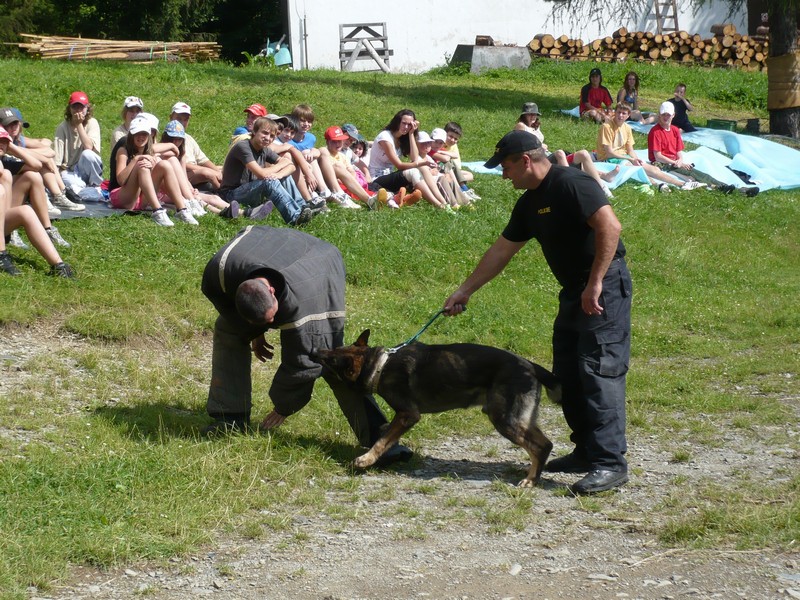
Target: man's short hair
624, 106
253, 300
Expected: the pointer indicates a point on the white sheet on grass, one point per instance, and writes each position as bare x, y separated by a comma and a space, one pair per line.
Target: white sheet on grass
770, 165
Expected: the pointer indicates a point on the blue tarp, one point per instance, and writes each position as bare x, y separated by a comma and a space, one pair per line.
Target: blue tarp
769, 164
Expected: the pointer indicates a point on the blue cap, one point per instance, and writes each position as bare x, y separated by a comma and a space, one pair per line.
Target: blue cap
19, 116
352, 131
175, 129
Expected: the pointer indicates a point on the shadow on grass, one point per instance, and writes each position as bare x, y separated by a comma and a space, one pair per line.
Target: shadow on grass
155, 422
159, 421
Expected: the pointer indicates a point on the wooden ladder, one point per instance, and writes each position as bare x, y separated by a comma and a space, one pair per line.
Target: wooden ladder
364, 41
666, 13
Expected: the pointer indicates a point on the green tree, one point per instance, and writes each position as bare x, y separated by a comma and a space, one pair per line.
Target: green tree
245, 26
168, 20
24, 16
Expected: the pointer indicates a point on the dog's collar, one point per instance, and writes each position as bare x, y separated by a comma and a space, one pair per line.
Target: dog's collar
374, 378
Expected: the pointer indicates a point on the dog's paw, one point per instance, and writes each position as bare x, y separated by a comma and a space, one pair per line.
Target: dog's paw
364, 461
527, 483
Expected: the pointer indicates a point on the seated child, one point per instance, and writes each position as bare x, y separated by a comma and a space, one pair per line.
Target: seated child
318, 158
447, 183
303, 175
615, 145
335, 139
359, 162
595, 98
13, 217
682, 108
450, 149
253, 112
131, 107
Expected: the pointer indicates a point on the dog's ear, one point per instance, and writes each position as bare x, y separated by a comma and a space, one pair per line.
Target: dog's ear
363, 338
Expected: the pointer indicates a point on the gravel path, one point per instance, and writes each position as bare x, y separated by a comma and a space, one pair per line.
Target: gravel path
440, 529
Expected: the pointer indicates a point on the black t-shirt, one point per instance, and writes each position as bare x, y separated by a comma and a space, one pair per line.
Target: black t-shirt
112, 176
681, 118
556, 214
234, 170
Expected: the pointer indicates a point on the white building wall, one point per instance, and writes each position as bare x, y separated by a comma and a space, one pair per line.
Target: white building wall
424, 34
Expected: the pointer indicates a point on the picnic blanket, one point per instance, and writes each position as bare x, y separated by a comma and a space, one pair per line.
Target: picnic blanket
93, 209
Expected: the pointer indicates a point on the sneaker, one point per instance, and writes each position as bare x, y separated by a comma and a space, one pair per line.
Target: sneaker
381, 197
319, 210
61, 201
664, 188
325, 194
392, 204
318, 206
231, 211
195, 207
160, 216
62, 269
55, 237
52, 211
692, 185
449, 209
607, 190
15, 239
411, 199
304, 217
259, 212
750, 192
344, 201
470, 193
350, 203
72, 195
317, 203
185, 215
726, 188
646, 189
7, 265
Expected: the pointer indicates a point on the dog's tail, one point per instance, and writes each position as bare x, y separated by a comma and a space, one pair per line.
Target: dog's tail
549, 381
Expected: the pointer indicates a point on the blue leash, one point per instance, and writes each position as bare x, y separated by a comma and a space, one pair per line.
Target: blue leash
419, 333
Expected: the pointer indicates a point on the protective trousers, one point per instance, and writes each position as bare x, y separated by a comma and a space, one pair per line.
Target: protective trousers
591, 354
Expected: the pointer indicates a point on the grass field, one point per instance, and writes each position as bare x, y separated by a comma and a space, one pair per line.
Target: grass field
101, 462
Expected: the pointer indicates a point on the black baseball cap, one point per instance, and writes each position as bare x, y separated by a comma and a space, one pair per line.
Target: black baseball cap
514, 142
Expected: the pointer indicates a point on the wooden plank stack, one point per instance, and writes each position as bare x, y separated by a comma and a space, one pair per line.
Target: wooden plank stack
76, 48
726, 47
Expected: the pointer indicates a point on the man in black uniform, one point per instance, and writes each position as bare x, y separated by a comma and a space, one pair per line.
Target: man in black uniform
267, 278
567, 212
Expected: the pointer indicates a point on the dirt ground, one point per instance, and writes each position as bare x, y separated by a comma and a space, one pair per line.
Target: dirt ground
425, 530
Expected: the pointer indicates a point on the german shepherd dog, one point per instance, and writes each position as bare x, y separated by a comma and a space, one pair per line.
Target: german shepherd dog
419, 378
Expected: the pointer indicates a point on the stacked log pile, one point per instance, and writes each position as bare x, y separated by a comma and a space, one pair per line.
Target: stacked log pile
726, 47
76, 48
